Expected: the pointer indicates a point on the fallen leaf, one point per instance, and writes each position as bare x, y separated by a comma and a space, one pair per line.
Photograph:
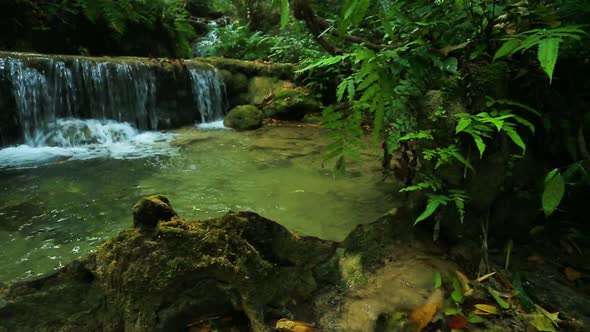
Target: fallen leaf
463, 280
541, 323
503, 304
473, 318
457, 322
554, 317
437, 280
286, 325
457, 294
486, 308
424, 314
571, 274
483, 278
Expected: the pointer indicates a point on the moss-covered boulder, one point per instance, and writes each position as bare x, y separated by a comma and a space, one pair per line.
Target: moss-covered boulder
178, 274
291, 104
244, 117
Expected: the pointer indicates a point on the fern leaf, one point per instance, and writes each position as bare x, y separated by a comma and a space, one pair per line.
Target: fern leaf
433, 204
507, 48
547, 55
284, 13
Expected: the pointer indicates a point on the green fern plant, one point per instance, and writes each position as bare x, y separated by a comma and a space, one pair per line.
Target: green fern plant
437, 198
484, 124
547, 42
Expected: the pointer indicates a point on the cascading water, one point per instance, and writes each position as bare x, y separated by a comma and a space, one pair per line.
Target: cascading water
43, 97
99, 90
208, 93
75, 139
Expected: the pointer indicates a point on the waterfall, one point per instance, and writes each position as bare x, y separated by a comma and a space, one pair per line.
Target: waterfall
150, 94
208, 94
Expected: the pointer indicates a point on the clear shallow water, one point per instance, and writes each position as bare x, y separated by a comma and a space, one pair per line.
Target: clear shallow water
52, 214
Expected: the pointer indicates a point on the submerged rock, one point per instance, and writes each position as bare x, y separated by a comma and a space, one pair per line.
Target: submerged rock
245, 117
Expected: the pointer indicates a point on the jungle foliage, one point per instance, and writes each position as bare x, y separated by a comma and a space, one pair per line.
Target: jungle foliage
389, 54
168, 17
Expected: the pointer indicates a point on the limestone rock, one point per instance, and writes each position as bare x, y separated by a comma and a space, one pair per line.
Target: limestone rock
244, 117
291, 104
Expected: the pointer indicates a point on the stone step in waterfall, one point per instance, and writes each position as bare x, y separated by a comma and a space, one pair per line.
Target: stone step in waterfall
150, 94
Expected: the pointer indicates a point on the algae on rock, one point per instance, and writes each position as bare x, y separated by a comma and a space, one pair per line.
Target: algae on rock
245, 117
291, 104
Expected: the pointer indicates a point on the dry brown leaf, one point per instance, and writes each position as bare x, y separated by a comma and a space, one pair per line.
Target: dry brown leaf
482, 278
464, 281
424, 314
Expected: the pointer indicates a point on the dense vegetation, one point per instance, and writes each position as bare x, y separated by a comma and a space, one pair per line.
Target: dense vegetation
447, 86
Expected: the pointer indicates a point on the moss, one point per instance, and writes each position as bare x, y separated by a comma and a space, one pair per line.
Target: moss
245, 117
261, 88
291, 104
351, 269
282, 71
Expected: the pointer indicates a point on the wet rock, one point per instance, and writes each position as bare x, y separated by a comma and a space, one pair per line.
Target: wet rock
167, 279
291, 104
148, 212
245, 117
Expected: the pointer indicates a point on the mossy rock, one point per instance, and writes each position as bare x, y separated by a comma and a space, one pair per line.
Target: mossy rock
315, 118
262, 88
283, 71
148, 212
291, 104
177, 274
244, 117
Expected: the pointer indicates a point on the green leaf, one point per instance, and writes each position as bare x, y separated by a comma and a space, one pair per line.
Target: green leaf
542, 323
433, 203
553, 193
457, 294
284, 13
515, 137
547, 55
507, 48
481, 146
461, 159
475, 319
503, 304
437, 280
525, 301
463, 123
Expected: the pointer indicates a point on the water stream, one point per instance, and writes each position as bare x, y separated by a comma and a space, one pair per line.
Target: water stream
66, 207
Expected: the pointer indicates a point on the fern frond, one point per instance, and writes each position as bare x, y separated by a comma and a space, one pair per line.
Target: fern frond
547, 55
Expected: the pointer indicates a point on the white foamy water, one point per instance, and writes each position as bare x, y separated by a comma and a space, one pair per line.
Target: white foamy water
75, 139
212, 125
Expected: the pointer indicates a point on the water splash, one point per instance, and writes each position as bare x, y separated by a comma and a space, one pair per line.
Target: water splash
75, 139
